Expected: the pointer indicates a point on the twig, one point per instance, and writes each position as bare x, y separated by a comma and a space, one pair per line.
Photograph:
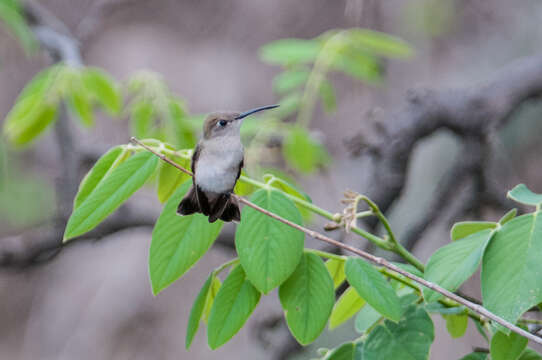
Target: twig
375, 259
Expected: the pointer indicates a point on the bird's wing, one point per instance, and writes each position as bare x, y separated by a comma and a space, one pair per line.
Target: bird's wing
195, 157
241, 164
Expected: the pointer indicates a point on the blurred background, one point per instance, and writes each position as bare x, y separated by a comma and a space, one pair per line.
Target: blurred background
92, 299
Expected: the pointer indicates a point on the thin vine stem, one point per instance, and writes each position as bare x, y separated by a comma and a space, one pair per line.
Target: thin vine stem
370, 257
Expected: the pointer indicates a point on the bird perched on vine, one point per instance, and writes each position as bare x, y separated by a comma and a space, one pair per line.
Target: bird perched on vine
216, 164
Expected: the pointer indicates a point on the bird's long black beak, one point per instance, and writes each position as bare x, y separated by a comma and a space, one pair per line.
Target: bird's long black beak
250, 112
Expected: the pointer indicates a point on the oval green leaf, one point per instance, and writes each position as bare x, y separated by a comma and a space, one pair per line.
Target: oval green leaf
105, 164
507, 347
178, 242
463, 229
290, 51
347, 306
110, 193
373, 288
347, 351
410, 339
268, 249
510, 290
307, 298
457, 324
451, 265
197, 311
234, 303
103, 89
523, 195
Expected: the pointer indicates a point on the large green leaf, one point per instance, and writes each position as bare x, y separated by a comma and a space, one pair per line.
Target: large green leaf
268, 249
347, 306
110, 193
463, 229
510, 290
197, 311
507, 347
307, 298
409, 339
105, 164
373, 288
523, 195
233, 304
347, 351
178, 242
451, 265
290, 51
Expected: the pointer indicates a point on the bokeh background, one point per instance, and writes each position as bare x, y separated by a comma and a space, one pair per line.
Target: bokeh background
92, 300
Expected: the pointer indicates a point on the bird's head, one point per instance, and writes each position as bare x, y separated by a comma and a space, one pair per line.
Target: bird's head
226, 123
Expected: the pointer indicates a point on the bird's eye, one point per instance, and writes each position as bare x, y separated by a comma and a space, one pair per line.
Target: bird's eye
222, 123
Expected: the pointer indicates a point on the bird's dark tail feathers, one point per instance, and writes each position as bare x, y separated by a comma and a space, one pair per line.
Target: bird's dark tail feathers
223, 206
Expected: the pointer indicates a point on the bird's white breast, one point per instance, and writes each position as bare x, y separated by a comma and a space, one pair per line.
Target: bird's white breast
218, 164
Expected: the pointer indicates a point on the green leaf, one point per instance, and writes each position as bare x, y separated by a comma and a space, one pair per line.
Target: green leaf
110, 193
290, 51
307, 298
289, 104
170, 178
510, 290
336, 270
11, 16
347, 306
457, 324
507, 347
475, 356
197, 311
268, 249
81, 107
373, 288
34, 124
530, 354
523, 195
289, 80
409, 339
178, 242
360, 65
213, 291
380, 43
142, 115
103, 89
508, 216
366, 318
104, 165
302, 152
234, 303
463, 229
451, 265
34, 110
347, 351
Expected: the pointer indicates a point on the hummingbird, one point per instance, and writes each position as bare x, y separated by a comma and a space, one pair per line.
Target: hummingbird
216, 164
